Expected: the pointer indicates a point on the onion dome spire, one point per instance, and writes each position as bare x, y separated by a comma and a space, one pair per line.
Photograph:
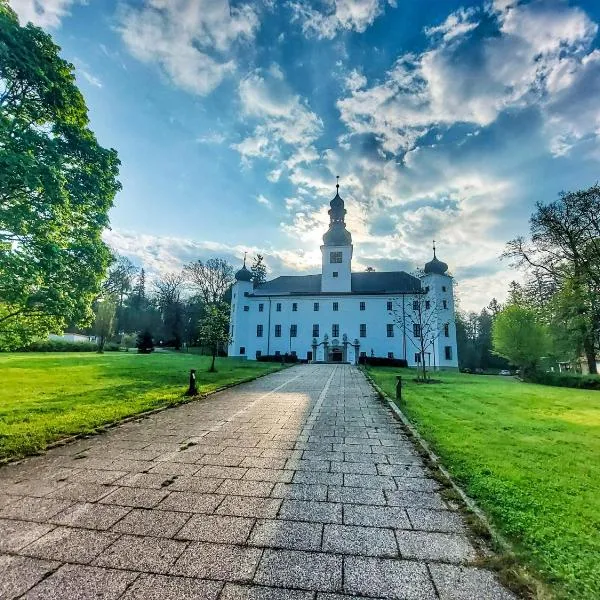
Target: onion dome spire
337, 235
435, 265
244, 274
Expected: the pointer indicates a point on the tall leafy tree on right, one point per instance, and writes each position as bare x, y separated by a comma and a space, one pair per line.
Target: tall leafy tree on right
561, 261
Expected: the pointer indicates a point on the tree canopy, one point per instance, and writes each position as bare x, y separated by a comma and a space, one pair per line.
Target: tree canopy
56, 187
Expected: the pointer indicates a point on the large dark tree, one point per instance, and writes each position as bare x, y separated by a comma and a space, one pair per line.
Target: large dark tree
209, 280
56, 187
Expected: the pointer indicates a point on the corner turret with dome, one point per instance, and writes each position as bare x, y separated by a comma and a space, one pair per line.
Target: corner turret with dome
338, 315
243, 274
435, 266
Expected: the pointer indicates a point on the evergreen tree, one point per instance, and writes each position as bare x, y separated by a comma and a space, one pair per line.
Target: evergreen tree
259, 270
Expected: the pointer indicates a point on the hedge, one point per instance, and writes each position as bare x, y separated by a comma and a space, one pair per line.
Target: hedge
287, 358
59, 346
383, 361
584, 382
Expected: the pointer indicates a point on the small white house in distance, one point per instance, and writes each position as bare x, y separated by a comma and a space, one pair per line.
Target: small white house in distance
339, 315
74, 338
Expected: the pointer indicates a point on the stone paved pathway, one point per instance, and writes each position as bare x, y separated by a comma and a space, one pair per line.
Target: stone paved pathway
299, 485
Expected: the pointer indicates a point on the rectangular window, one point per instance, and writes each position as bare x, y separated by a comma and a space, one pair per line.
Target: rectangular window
390, 329
258, 354
335, 273
335, 331
390, 355
293, 353
278, 307
389, 305
445, 303
259, 330
363, 330
415, 305
416, 330
335, 257
242, 350
443, 288
427, 305
448, 352
261, 307
336, 306
427, 290
316, 306
293, 330
446, 330
315, 331
362, 306
277, 330
417, 357
294, 307
246, 308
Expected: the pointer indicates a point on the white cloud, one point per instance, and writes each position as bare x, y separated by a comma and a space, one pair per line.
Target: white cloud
212, 137
470, 77
264, 201
91, 79
333, 16
355, 80
44, 13
193, 41
285, 126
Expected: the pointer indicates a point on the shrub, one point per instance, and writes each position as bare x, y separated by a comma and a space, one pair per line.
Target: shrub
144, 343
112, 347
59, 346
383, 361
287, 358
584, 382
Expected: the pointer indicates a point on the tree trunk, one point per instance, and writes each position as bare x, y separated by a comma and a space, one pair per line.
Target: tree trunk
590, 354
212, 366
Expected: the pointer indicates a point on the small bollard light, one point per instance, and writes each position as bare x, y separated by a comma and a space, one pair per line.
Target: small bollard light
192, 389
398, 387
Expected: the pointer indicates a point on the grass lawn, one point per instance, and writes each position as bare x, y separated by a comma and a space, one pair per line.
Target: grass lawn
529, 455
47, 396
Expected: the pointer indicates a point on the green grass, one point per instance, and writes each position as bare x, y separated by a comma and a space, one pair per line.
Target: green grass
529, 455
48, 396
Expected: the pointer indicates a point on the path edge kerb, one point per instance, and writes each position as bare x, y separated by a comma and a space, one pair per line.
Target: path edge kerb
496, 537
141, 415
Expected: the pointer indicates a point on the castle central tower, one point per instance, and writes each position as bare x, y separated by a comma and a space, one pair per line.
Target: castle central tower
336, 251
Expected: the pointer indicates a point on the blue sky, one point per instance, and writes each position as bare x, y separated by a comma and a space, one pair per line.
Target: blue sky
444, 120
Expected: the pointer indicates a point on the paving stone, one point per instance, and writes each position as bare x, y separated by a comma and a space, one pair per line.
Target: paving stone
361, 457
221, 460
222, 472
351, 495
303, 570
171, 468
199, 485
435, 520
446, 547
141, 553
366, 541
95, 476
369, 481
91, 516
6, 500
76, 582
132, 466
249, 507
35, 509
467, 583
135, 497
160, 523
417, 484
316, 477
36, 488
406, 468
322, 455
70, 545
235, 451
316, 512
387, 578
246, 488
376, 516
163, 587
19, 573
300, 491
415, 499
275, 475
217, 529
256, 592
191, 502
83, 492
262, 462
155, 481
291, 535
14, 535
307, 465
354, 467
217, 561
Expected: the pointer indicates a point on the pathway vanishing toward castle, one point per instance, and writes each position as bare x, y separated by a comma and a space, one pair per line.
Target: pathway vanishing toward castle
297, 485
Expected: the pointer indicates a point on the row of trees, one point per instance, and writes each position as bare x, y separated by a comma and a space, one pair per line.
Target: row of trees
555, 312
188, 307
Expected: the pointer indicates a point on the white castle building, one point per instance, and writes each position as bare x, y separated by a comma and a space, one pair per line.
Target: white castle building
339, 315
